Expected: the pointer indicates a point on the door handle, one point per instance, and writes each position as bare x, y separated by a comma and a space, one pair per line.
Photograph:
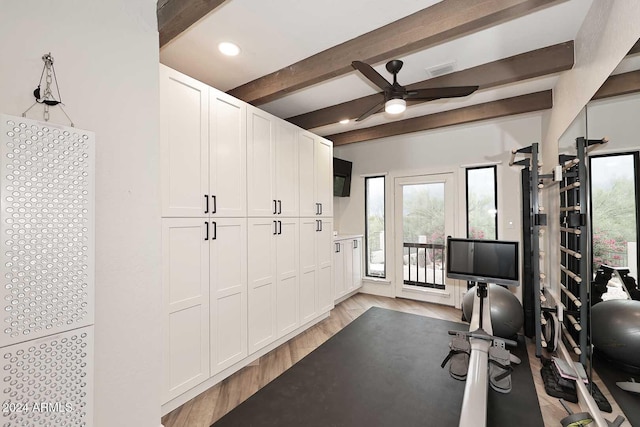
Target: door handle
215, 205
215, 230
275, 207
206, 203
206, 234
279, 207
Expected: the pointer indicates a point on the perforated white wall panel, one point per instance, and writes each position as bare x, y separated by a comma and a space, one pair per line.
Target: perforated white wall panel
48, 381
47, 230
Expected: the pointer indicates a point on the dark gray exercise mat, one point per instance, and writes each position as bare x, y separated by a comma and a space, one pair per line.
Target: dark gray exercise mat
610, 374
383, 369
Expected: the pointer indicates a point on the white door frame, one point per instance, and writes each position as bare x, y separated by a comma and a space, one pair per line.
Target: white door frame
449, 294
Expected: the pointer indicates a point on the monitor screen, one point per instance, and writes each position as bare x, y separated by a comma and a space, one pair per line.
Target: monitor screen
489, 261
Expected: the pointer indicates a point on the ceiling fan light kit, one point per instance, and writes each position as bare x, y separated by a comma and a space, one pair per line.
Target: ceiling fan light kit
395, 106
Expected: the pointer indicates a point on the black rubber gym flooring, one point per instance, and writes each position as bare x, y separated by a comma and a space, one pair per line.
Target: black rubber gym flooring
383, 369
628, 402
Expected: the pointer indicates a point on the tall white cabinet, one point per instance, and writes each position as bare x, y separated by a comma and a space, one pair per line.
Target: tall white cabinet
246, 233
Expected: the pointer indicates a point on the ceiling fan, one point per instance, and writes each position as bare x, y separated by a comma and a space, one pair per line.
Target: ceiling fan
395, 95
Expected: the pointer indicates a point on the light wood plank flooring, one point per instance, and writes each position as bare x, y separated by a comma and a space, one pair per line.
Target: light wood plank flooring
211, 405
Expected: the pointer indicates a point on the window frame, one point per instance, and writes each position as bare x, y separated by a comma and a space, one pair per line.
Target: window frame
495, 192
636, 174
366, 226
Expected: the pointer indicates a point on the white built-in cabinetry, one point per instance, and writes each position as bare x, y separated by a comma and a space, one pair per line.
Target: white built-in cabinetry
246, 232
347, 262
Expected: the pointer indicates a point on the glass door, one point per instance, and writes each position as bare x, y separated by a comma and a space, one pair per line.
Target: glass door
424, 219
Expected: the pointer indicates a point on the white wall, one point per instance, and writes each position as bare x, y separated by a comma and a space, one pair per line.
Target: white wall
437, 151
106, 60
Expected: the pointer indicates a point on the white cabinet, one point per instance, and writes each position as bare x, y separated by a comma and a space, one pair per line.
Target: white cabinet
203, 149
272, 165
204, 299
228, 289
273, 279
316, 175
316, 267
185, 306
348, 265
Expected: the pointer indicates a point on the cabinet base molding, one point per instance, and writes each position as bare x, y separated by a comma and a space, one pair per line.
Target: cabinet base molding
202, 387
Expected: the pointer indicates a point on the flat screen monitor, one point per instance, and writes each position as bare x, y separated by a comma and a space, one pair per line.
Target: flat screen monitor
488, 261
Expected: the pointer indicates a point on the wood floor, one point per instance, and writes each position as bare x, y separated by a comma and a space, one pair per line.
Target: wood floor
211, 405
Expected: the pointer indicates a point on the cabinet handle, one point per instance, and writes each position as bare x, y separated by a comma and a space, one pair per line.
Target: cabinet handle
280, 227
279, 207
317, 208
275, 227
355, 244
206, 233
320, 208
206, 203
275, 207
337, 247
320, 221
215, 205
215, 230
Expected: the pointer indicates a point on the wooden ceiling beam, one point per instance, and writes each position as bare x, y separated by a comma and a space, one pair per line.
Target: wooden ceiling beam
537, 63
490, 110
434, 25
620, 84
175, 16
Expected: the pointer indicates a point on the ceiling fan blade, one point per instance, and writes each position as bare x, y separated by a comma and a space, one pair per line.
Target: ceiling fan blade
375, 77
371, 111
441, 92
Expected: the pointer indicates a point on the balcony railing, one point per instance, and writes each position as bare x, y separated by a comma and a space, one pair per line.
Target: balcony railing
423, 265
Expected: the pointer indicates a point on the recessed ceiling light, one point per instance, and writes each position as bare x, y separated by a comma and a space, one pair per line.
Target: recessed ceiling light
229, 49
344, 121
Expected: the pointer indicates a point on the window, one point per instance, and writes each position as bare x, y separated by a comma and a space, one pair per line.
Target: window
374, 226
482, 203
614, 211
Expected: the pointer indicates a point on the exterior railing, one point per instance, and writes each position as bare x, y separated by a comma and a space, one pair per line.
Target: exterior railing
423, 265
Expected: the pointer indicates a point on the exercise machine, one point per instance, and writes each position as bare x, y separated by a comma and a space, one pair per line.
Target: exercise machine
482, 262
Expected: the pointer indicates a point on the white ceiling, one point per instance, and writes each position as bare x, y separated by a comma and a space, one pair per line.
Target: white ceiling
276, 33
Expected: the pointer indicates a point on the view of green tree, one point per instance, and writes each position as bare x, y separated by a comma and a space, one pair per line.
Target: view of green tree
614, 222
482, 223
423, 212
481, 203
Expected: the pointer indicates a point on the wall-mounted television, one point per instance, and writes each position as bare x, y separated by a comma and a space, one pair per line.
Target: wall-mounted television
488, 261
341, 177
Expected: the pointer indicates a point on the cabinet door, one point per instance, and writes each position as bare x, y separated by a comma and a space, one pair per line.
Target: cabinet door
228, 279
184, 142
286, 169
262, 279
260, 163
324, 176
338, 269
287, 254
356, 278
325, 263
227, 155
348, 265
185, 304
306, 155
308, 269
